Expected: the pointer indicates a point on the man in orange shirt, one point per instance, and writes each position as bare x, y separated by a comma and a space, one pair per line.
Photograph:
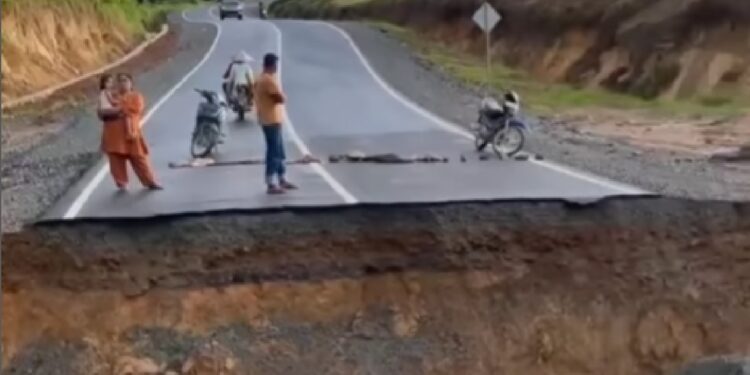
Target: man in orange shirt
270, 101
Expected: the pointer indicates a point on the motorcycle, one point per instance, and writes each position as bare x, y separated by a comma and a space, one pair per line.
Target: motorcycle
209, 121
500, 126
242, 101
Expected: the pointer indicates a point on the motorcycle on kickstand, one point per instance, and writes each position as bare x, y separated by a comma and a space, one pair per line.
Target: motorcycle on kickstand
209, 121
500, 126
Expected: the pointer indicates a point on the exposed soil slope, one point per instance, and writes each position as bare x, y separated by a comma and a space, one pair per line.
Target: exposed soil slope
624, 287
48, 42
672, 48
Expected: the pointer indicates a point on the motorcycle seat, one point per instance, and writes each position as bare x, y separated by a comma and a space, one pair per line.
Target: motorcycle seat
493, 114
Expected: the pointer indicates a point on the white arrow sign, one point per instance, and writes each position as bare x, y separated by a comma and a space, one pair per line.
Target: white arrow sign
486, 17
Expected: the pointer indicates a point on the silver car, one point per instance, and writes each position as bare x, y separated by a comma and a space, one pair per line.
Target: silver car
231, 8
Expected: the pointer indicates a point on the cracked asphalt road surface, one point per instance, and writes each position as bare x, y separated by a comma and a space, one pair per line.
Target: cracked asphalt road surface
337, 104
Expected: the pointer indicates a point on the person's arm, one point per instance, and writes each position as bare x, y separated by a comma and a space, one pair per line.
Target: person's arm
106, 106
229, 70
132, 105
274, 91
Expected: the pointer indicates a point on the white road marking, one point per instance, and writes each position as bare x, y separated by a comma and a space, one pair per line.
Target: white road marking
457, 129
83, 197
318, 168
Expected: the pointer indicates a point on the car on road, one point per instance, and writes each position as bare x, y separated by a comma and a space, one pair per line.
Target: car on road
231, 8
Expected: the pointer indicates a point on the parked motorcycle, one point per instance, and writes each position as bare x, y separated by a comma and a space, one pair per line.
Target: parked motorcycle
209, 121
500, 126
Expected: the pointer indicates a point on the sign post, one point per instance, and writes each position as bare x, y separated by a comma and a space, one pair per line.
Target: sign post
486, 17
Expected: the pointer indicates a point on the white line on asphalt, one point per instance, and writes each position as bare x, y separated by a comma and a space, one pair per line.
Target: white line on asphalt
318, 168
465, 133
84, 196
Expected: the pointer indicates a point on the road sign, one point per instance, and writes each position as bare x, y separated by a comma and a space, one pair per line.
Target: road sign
486, 17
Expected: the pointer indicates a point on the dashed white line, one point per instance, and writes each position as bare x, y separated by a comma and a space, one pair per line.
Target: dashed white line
83, 197
318, 168
456, 129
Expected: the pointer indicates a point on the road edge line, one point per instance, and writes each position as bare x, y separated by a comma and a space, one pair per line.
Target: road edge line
339, 188
465, 133
75, 208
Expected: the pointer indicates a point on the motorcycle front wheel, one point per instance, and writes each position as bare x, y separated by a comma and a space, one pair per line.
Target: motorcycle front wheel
204, 140
508, 142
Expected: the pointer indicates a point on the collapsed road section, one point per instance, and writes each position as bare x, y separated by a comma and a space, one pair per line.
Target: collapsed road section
623, 286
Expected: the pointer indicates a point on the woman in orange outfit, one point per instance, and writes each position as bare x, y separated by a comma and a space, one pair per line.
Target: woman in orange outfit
123, 141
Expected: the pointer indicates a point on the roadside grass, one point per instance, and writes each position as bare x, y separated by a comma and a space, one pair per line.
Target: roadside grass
136, 17
148, 16
348, 3
548, 98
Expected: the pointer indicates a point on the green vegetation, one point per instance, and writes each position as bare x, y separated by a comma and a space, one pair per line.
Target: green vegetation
141, 17
544, 97
137, 17
348, 3
541, 96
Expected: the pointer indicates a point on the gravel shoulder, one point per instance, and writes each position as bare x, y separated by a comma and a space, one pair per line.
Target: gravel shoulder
49, 145
667, 173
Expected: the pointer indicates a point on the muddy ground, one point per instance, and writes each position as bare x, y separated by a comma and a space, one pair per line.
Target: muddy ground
631, 286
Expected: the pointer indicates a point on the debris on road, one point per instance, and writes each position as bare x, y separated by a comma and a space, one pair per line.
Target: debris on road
208, 162
388, 158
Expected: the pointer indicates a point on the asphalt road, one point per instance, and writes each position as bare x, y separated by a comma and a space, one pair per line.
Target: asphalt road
337, 104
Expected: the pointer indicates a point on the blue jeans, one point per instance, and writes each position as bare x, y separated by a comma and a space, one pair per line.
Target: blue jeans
275, 155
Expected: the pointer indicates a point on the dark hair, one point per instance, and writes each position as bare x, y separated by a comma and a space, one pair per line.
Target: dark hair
103, 80
125, 75
270, 60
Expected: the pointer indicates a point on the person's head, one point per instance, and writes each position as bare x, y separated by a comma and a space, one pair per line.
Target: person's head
125, 82
242, 57
106, 82
270, 63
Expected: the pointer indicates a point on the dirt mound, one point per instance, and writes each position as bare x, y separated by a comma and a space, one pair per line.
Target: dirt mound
671, 48
49, 42
620, 287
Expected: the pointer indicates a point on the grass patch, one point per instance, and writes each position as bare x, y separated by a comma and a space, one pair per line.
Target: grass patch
348, 3
545, 98
130, 14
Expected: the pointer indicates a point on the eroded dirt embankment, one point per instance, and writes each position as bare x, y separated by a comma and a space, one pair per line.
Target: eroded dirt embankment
669, 48
50, 42
624, 287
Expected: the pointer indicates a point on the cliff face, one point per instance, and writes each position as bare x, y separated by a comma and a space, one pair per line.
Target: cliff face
48, 42
672, 48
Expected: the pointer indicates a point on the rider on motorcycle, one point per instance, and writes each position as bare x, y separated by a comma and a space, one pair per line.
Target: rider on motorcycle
239, 73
